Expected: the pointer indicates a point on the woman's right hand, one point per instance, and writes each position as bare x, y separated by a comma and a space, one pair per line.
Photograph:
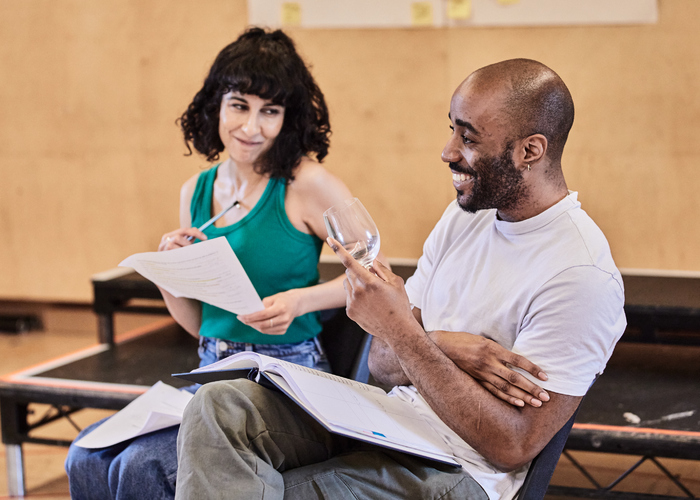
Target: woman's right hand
491, 365
180, 238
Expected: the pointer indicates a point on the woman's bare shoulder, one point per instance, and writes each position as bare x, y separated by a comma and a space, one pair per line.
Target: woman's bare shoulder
313, 179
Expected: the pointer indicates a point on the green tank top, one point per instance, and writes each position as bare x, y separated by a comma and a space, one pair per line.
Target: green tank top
275, 255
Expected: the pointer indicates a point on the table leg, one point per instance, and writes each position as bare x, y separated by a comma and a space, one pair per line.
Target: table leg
15, 470
106, 328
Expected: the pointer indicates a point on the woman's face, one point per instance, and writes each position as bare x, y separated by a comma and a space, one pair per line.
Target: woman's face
248, 125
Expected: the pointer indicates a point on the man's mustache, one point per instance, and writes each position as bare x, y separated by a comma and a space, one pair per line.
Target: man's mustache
456, 167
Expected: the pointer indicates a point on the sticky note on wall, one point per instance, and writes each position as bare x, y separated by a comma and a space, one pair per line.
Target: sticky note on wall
422, 13
290, 14
459, 9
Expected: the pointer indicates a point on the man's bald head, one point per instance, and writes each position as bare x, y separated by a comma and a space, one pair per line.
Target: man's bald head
535, 100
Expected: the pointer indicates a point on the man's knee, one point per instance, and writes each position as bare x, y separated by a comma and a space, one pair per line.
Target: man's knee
226, 396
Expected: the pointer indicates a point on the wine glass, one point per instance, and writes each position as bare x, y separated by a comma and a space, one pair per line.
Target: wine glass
351, 225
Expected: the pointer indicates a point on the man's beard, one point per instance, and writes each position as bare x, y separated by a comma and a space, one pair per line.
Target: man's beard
497, 184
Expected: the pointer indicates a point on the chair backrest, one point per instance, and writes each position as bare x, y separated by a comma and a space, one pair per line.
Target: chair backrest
346, 345
542, 467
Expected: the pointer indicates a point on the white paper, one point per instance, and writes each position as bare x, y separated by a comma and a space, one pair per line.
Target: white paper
347, 406
159, 407
208, 271
335, 14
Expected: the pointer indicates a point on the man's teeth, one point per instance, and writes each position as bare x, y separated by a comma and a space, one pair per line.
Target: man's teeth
459, 177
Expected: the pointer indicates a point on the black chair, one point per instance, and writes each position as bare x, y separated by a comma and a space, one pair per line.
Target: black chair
346, 345
542, 467
347, 348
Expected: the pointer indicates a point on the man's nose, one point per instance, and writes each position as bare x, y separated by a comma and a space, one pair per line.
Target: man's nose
450, 152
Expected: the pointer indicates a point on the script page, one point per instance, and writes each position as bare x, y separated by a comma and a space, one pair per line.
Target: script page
363, 409
208, 271
158, 408
344, 406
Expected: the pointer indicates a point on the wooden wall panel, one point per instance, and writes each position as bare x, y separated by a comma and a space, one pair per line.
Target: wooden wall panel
92, 160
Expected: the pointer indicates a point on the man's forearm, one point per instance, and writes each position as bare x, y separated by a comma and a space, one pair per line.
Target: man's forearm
384, 366
503, 434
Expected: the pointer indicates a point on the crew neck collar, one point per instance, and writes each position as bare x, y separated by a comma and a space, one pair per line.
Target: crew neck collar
539, 220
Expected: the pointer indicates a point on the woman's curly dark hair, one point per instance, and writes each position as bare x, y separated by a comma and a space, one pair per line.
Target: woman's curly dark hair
265, 64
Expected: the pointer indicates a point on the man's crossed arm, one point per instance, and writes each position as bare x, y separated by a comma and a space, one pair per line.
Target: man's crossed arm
476, 399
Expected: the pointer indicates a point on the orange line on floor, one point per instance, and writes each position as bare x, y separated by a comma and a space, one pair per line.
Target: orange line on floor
640, 430
137, 332
142, 330
76, 384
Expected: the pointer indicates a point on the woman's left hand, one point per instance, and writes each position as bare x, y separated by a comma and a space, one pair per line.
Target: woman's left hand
280, 310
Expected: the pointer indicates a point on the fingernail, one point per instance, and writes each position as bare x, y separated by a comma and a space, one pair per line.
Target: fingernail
333, 246
542, 376
519, 402
544, 396
536, 402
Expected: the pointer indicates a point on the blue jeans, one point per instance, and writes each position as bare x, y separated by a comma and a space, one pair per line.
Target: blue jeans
146, 467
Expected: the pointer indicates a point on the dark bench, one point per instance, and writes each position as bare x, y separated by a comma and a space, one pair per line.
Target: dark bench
650, 374
114, 372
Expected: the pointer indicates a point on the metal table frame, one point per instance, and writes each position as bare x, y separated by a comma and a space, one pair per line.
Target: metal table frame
65, 396
657, 309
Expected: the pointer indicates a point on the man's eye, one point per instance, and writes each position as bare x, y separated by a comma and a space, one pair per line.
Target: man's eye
466, 140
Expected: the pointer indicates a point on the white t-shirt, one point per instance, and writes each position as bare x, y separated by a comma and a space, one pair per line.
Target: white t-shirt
546, 288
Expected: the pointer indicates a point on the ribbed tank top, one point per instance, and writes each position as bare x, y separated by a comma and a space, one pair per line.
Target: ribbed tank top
275, 255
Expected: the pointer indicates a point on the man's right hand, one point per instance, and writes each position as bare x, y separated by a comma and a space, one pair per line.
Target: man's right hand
491, 364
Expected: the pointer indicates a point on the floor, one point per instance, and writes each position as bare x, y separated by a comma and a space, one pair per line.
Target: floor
66, 328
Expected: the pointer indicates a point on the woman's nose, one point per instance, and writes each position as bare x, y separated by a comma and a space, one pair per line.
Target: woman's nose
251, 126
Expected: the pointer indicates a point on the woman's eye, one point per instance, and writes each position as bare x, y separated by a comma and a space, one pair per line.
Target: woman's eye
272, 111
238, 106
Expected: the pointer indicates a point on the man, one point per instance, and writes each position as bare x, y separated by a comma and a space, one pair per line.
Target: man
513, 264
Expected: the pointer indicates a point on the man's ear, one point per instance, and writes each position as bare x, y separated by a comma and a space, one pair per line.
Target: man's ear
531, 149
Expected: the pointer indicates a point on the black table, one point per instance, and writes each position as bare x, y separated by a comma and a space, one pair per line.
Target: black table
650, 374
102, 376
659, 385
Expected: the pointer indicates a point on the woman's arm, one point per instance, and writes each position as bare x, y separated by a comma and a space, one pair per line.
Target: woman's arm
187, 312
313, 191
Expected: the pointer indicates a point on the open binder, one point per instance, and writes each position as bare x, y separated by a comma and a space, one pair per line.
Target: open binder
341, 405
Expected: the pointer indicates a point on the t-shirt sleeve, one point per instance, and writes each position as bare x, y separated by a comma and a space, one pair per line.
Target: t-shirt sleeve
571, 328
416, 284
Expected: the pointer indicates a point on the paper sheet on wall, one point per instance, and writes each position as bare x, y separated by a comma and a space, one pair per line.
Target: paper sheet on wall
339, 14
208, 271
158, 408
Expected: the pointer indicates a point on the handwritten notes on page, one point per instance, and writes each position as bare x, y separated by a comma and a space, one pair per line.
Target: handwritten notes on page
158, 408
208, 271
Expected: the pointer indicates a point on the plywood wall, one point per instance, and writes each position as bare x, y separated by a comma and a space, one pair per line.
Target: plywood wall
92, 161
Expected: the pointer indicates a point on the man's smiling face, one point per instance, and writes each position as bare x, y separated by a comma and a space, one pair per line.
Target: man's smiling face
480, 152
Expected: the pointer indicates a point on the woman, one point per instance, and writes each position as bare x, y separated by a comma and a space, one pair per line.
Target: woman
261, 106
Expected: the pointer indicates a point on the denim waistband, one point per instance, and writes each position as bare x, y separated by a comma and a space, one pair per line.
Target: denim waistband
219, 349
